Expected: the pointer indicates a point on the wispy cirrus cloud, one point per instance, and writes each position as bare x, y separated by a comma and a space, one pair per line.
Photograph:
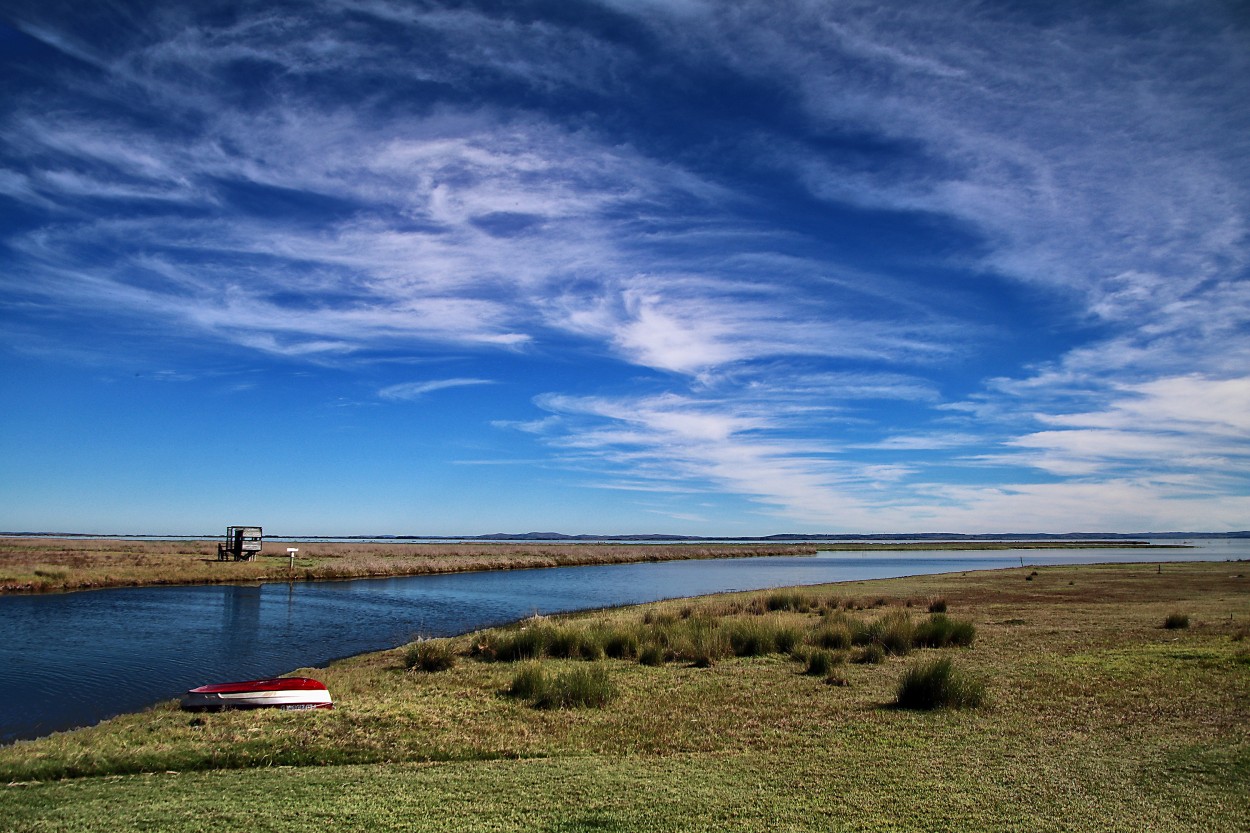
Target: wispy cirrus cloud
410, 391
1189, 425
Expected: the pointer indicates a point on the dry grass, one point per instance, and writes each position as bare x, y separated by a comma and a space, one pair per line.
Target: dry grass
35, 565
41, 565
1096, 719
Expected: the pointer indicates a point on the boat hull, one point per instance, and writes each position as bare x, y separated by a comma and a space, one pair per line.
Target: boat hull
290, 693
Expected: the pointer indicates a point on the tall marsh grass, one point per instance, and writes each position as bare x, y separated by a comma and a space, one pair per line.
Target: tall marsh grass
703, 636
577, 687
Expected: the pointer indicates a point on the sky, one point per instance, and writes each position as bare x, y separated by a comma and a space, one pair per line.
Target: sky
696, 267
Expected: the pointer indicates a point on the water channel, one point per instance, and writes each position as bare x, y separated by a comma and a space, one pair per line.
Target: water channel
73, 659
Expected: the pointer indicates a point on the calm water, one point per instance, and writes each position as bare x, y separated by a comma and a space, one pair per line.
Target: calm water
74, 659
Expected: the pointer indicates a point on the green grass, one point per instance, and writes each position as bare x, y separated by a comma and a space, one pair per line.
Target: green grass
1096, 719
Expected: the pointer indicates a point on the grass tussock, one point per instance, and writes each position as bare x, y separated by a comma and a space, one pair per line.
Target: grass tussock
430, 655
652, 655
529, 682
940, 631
870, 654
834, 635
1176, 621
938, 685
821, 663
895, 632
703, 636
573, 688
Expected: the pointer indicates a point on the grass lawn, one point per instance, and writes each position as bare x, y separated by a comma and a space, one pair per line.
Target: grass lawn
1096, 717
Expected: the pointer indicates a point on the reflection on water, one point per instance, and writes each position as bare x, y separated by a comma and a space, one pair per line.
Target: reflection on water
73, 659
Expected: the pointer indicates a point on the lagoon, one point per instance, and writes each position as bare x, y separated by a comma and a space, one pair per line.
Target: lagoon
73, 659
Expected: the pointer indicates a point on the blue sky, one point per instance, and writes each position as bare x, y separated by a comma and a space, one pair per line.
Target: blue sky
625, 266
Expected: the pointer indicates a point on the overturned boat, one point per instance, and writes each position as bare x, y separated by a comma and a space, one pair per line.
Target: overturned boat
292, 693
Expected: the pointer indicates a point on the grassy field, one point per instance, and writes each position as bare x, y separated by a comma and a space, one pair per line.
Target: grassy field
41, 565
1116, 697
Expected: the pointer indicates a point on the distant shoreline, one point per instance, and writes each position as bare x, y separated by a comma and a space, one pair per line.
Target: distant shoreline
57, 565
656, 538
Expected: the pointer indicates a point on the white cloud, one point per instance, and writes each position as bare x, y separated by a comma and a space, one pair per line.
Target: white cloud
1096, 164
1186, 424
409, 391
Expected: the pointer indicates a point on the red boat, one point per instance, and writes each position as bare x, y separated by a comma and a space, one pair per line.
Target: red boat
292, 693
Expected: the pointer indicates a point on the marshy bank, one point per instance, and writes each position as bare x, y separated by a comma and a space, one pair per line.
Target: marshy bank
1095, 714
39, 565
42, 565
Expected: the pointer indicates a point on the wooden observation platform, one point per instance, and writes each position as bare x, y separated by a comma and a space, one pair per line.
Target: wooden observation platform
242, 544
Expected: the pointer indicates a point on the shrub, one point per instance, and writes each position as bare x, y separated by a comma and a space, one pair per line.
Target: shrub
1176, 620
937, 606
938, 685
434, 655
583, 687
